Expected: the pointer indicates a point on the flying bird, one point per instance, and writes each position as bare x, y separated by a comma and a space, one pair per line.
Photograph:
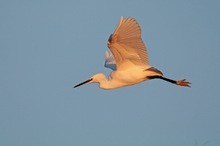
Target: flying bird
128, 59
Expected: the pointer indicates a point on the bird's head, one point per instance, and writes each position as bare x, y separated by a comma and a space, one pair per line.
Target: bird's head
94, 79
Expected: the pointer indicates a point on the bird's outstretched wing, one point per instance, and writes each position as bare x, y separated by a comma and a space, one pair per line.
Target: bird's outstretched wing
127, 46
110, 61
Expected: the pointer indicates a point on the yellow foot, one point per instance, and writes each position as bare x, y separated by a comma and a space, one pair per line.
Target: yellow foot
183, 83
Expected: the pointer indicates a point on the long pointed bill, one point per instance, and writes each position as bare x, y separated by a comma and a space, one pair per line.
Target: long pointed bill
83, 83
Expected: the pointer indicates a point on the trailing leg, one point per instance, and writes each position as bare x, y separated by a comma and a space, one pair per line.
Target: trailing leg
179, 82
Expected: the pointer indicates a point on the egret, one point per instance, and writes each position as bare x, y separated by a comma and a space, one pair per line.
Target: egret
128, 59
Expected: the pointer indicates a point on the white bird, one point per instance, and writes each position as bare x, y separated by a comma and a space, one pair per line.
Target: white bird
129, 61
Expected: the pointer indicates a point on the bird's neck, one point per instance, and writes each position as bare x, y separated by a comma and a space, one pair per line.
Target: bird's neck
105, 83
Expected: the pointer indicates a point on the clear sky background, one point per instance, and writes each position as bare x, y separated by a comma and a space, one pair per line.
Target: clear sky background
48, 46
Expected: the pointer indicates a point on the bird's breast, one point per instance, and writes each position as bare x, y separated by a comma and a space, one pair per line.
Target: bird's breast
128, 77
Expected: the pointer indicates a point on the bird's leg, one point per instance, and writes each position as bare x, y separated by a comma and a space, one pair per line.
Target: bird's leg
179, 82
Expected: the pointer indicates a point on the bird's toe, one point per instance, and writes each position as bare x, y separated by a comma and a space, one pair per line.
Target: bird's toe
183, 83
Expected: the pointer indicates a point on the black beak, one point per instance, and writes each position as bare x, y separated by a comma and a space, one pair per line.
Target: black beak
83, 83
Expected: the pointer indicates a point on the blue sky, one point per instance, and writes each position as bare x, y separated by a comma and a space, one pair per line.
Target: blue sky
47, 47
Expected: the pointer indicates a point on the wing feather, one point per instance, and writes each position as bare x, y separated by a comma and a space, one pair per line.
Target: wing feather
127, 46
110, 61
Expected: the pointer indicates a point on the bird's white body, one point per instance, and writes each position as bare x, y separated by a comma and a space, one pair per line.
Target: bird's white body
122, 78
128, 59
127, 77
